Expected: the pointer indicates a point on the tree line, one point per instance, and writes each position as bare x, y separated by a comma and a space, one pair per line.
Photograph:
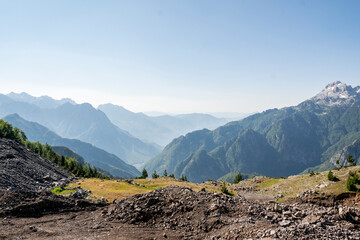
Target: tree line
46, 151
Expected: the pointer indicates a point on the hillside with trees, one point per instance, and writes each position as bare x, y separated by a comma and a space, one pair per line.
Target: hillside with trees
276, 142
91, 154
70, 164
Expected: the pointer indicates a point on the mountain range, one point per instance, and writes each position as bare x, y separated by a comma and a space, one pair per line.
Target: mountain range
82, 151
159, 129
79, 121
276, 142
133, 137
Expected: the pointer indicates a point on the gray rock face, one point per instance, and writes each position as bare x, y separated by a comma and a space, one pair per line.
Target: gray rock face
337, 93
353, 149
21, 169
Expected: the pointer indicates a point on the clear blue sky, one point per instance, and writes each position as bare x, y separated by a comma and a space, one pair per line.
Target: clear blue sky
179, 56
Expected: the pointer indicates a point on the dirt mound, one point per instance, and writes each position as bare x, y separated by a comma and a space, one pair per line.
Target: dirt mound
36, 204
21, 169
178, 208
217, 216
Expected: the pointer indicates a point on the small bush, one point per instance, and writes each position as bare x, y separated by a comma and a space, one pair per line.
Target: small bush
226, 191
351, 182
332, 177
172, 176
350, 160
312, 174
183, 178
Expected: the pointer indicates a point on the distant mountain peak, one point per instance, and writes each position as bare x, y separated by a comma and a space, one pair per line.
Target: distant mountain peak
337, 93
42, 101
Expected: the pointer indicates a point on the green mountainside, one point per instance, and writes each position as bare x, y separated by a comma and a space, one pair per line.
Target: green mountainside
277, 142
67, 152
91, 154
7, 131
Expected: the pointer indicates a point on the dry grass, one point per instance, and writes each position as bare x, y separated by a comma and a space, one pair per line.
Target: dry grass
294, 185
113, 189
289, 187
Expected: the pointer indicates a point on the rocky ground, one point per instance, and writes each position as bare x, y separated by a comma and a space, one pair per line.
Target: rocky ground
37, 204
180, 213
21, 169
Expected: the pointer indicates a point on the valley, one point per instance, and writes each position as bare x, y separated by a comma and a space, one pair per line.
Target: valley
181, 120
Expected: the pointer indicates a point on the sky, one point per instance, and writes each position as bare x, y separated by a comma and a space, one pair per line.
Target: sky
179, 56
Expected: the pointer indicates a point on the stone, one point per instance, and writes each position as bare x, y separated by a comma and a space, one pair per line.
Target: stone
285, 223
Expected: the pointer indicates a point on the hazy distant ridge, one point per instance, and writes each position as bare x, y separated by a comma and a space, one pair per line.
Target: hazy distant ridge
159, 129
83, 122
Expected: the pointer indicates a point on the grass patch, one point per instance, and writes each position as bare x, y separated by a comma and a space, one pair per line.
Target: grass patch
268, 183
57, 190
61, 191
113, 189
294, 185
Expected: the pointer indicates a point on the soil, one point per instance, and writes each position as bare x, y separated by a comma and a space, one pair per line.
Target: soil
177, 213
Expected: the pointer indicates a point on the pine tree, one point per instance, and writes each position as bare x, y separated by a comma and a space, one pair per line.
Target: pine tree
144, 174
238, 178
155, 175
183, 178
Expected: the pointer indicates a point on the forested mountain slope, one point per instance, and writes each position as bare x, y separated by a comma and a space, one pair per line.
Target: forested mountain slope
277, 142
91, 154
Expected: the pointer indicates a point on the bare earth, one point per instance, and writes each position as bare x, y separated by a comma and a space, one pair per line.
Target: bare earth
177, 213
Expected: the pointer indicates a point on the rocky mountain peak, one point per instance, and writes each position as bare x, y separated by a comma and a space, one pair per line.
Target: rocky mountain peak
337, 93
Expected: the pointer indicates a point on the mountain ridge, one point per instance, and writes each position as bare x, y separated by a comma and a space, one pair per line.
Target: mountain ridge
83, 122
91, 154
299, 135
159, 129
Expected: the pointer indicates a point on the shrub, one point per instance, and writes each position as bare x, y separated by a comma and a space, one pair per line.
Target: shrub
238, 178
332, 177
172, 176
351, 181
226, 191
165, 173
183, 178
350, 160
312, 173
